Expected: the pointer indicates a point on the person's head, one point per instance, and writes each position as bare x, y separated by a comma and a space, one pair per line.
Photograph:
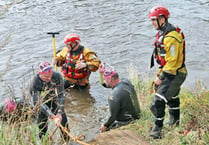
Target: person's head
10, 105
111, 78
45, 71
72, 42
159, 16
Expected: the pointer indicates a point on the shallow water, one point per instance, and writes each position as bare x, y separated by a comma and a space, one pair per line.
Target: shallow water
119, 31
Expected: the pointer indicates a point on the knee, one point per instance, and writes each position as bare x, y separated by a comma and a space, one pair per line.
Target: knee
153, 109
157, 107
64, 120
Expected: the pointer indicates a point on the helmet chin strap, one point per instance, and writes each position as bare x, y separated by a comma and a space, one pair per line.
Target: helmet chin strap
160, 26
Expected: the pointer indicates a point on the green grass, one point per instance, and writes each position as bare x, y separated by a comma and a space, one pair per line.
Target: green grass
194, 124
193, 129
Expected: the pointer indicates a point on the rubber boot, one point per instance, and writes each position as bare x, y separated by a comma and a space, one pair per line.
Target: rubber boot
156, 132
174, 117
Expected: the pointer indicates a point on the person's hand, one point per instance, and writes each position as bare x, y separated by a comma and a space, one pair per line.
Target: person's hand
103, 128
158, 81
57, 119
81, 65
55, 61
101, 68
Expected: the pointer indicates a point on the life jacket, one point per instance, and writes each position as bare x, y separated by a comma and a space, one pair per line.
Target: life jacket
68, 68
159, 51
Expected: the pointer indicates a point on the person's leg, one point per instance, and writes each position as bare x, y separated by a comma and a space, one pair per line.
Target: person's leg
67, 84
64, 123
174, 111
42, 124
173, 99
158, 108
83, 84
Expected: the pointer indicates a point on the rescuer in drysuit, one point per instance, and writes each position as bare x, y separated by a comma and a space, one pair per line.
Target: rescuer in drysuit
169, 53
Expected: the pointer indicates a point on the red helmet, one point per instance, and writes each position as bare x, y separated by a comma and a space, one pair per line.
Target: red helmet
71, 38
157, 11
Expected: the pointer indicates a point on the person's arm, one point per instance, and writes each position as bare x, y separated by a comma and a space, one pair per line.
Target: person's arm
35, 93
60, 57
60, 91
102, 80
101, 71
91, 60
114, 106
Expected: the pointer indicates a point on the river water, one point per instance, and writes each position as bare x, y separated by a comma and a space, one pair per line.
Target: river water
118, 31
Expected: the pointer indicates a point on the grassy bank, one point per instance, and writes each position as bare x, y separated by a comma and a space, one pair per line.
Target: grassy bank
194, 124
193, 129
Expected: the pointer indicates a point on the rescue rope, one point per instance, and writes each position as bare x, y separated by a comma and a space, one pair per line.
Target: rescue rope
50, 135
152, 89
78, 139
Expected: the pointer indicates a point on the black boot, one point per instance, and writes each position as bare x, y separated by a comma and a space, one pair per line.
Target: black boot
156, 132
174, 117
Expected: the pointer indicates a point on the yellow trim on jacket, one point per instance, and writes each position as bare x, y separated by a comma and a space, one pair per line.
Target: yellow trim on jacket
173, 44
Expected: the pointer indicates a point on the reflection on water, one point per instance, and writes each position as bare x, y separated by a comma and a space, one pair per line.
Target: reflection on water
81, 112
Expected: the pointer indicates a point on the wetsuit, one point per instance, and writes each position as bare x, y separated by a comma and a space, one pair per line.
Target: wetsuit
49, 96
124, 105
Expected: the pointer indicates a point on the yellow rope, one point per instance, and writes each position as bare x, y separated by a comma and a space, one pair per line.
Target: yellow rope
75, 139
152, 90
50, 135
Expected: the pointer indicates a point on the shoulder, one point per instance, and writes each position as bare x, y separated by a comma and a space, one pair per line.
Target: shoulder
119, 90
62, 52
125, 80
36, 84
21, 101
57, 75
65, 49
124, 87
87, 51
173, 35
36, 79
127, 83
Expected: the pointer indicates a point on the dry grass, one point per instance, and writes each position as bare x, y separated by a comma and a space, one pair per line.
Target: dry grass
194, 127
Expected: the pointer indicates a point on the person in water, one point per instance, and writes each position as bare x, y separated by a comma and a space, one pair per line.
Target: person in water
77, 62
169, 53
15, 110
123, 104
47, 91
